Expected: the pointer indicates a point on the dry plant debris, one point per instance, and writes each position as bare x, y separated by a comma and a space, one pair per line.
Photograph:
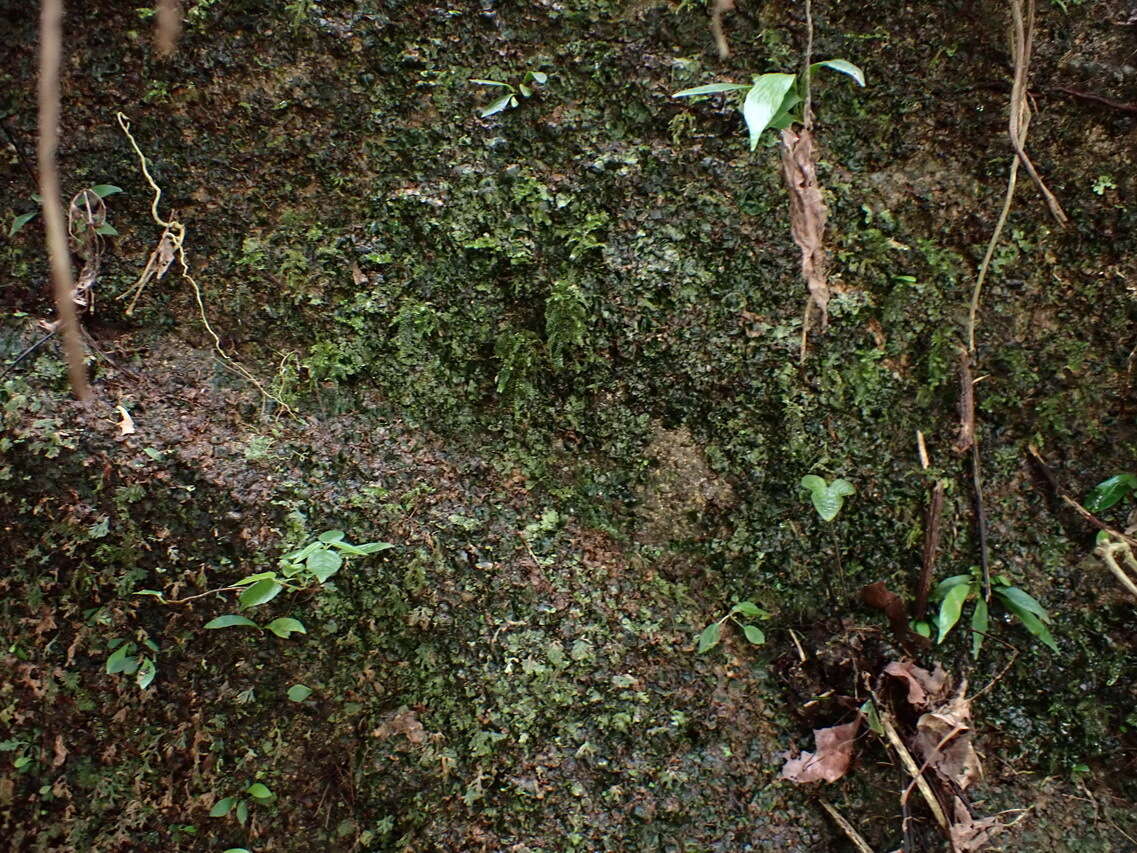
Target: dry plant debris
831, 760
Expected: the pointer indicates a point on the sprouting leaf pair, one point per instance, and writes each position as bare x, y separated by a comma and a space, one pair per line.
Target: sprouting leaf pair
509, 100
743, 615
954, 592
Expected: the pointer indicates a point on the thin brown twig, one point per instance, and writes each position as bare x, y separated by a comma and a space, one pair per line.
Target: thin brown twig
850, 831
931, 547
51, 51
1097, 99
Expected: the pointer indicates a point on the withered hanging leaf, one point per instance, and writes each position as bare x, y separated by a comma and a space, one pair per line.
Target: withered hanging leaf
924, 688
832, 759
807, 219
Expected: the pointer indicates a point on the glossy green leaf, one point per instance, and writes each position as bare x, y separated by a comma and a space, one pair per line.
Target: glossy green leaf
231, 620
259, 593
710, 637
539, 77
1033, 624
285, 627
1023, 600
121, 661
222, 807
152, 592
951, 609
104, 190
762, 102
242, 812
299, 692
1109, 493
711, 89
842, 65
146, 673
258, 791
872, 717
921, 627
502, 103
252, 579
754, 634
20, 221
237, 850
785, 116
324, 564
524, 90
330, 536
482, 82
943, 586
979, 625
374, 547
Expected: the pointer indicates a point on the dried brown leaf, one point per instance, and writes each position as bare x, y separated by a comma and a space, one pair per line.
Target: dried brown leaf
969, 835
924, 688
59, 752
807, 218
126, 424
405, 723
832, 759
943, 740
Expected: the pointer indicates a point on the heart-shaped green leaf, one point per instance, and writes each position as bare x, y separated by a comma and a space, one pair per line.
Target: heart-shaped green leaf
324, 564
827, 497
710, 637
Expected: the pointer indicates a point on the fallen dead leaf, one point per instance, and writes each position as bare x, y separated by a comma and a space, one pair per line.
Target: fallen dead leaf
126, 425
924, 688
405, 723
832, 759
943, 740
969, 835
59, 752
807, 219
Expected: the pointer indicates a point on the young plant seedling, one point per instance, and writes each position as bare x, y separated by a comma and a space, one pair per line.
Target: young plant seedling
256, 792
509, 100
956, 591
828, 498
743, 615
97, 194
128, 659
773, 100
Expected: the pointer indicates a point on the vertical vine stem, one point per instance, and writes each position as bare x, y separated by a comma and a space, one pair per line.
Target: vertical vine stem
807, 59
50, 52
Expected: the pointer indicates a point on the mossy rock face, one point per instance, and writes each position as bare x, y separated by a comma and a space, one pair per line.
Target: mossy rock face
679, 491
554, 355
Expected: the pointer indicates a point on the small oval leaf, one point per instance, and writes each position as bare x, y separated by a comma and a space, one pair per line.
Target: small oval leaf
330, 536
284, 627
231, 620
299, 692
710, 637
844, 66
259, 791
222, 807
951, 609
754, 634
324, 564
259, 593
146, 673
1109, 493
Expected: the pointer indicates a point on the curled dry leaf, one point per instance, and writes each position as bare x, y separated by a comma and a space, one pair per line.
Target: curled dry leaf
807, 219
943, 740
924, 688
126, 424
969, 835
402, 722
832, 759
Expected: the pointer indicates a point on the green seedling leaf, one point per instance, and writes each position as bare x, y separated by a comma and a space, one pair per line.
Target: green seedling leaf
1109, 493
299, 692
374, 547
979, 625
538, 77
222, 807
711, 89
258, 791
785, 115
524, 90
20, 221
750, 610
762, 103
146, 673
252, 579
152, 592
827, 498
285, 627
943, 586
502, 103
104, 190
242, 812
107, 229
1021, 599
872, 717
921, 627
482, 82
324, 564
842, 65
951, 609
710, 637
262, 591
237, 850
754, 634
1032, 624
121, 661
231, 620
328, 537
